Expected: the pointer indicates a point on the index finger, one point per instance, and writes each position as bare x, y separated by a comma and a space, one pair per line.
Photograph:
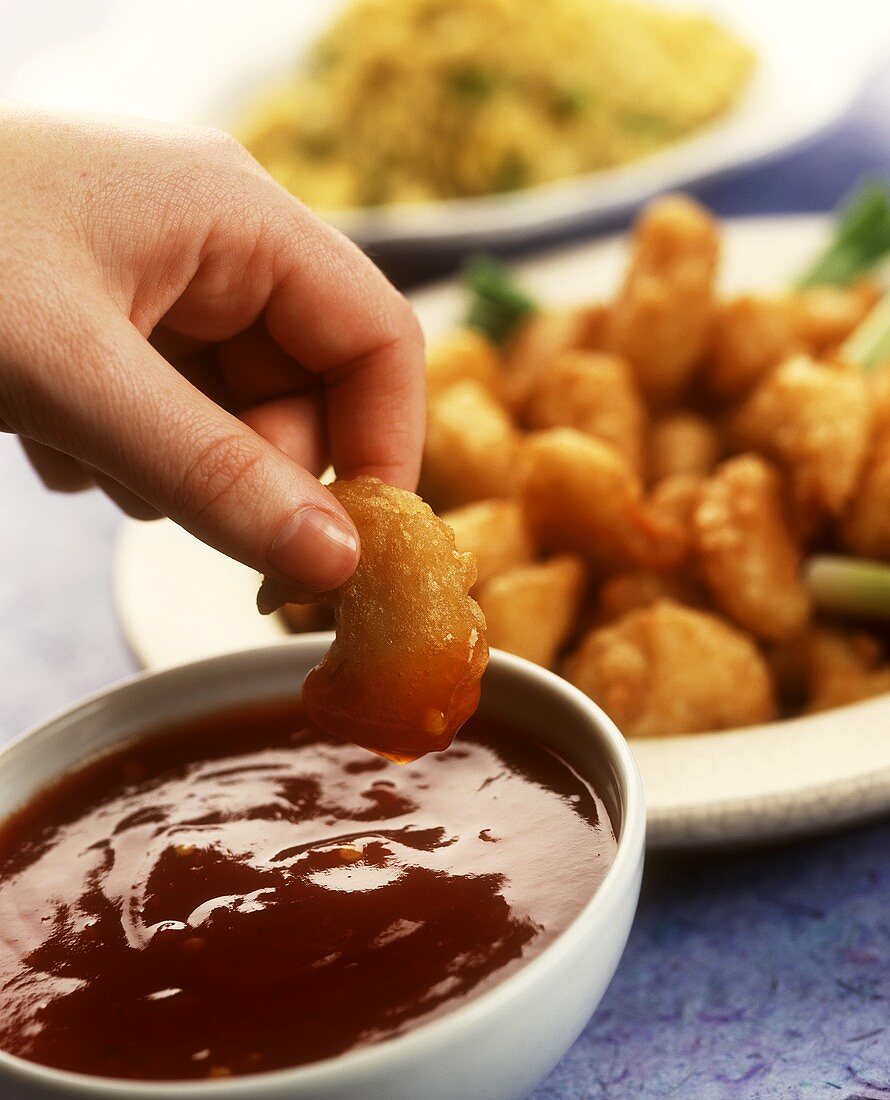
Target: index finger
336, 313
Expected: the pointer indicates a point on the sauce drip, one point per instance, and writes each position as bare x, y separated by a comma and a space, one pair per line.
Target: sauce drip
244, 893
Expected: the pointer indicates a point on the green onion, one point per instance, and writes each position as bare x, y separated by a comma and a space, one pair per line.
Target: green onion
861, 238
869, 343
849, 586
498, 303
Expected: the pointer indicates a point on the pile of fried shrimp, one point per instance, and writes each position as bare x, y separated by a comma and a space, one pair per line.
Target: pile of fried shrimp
641, 479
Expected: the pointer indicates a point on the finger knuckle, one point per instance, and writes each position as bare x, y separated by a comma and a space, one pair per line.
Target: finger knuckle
224, 144
216, 474
403, 326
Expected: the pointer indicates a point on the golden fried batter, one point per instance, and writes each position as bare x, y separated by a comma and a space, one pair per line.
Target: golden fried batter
692, 451
676, 498
830, 666
826, 315
596, 393
748, 554
581, 496
471, 447
531, 609
751, 335
462, 355
865, 528
495, 532
663, 317
668, 670
878, 383
814, 420
536, 343
683, 443
630, 591
402, 675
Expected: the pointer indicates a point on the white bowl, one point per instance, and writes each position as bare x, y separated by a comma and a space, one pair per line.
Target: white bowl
497, 1046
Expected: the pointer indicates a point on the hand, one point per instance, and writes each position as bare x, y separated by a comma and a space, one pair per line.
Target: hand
180, 331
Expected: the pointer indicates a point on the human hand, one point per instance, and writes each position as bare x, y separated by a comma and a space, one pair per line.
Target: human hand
180, 331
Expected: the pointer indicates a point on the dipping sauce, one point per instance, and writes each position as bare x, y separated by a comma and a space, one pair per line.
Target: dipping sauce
243, 893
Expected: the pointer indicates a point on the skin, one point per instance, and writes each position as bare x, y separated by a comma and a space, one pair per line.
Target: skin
181, 332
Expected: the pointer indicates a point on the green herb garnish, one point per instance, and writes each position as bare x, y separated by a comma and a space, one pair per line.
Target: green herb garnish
497, 302
861, 238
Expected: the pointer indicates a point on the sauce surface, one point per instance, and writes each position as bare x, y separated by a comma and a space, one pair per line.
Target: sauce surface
244, 893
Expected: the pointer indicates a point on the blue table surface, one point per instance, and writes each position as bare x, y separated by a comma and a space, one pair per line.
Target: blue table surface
754, 975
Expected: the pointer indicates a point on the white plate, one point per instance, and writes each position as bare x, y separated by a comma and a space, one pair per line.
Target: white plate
813, 60
178, 600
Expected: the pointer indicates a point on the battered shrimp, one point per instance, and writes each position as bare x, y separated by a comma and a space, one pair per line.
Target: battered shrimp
683, 443
747, 552
403, 673
662, 319
865, 527
668, 670
751, 334
581, 496
471, 447
537, 342
630, 591
676, 498
878, 382
826, 315
596, 393
462, 355
530, 610
494, 532
814, 420
830, 666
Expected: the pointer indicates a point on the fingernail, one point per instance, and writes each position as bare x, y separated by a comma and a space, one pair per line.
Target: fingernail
315, 549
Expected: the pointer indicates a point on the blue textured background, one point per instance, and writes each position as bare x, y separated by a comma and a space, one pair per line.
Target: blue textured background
755, 975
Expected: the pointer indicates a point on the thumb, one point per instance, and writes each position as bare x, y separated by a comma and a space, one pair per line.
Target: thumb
135, 418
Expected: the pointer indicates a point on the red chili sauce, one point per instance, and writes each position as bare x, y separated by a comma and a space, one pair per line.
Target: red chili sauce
244, 893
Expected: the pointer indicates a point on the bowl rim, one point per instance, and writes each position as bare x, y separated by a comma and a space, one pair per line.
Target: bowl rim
352, 1065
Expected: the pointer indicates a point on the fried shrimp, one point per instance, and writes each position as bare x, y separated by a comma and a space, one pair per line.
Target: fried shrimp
471, 447
537, 341
402, 675
465, 354
752, 334
865, 527
531, 609
495, 532
683, 443
747, 551
826, 315
580, 496
814, 420
668, 669
595, 393
663, 317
